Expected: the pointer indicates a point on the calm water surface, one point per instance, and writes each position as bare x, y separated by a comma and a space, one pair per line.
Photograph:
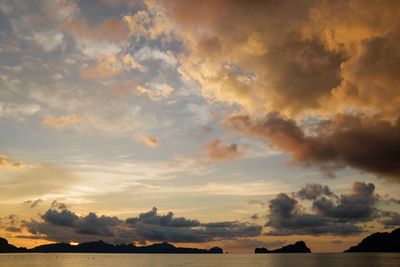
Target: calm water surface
231, 260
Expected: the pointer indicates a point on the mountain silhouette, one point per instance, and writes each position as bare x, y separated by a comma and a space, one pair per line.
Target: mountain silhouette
298, 247
102, 247
5, 247
379, 242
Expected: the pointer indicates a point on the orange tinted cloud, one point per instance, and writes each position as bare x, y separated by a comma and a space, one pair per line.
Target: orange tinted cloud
111, 65
62, 122
147, 140
216, 150
367, 144
7, 163
333, 60
155, 94
111, 29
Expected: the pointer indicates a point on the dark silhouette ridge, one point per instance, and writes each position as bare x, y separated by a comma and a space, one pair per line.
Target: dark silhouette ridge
379, 242
298, 247
8, 248
102, 247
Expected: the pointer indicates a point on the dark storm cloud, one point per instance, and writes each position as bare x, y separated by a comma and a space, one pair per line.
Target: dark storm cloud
359, 205
63, 218
66, 226
155, 227
371, 145
152, 218
287, 218
329, 214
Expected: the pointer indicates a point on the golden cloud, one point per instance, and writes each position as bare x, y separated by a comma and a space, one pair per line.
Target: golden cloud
7, 163
111, 65
284, 62
147, 140
162, 91
62, 122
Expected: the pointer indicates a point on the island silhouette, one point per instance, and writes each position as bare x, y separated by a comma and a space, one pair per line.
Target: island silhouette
103, 247
377, 242
298, 247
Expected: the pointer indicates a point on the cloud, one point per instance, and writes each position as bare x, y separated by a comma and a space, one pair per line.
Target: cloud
48, 41
305, 60
291, 58
150, 24
17, 111
33, 203
256, 202
106, 38
359, 205
58, 205
158, 91
11, 223
392, 221
313, 191
216, 150
7, 163
147, 140
287, 218
146, 53
368, 144
110, 66
65, 226
336, 215
62, 122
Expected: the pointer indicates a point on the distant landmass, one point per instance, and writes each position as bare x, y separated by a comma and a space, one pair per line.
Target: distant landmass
5, 247
379, 242
298, 247
102, 247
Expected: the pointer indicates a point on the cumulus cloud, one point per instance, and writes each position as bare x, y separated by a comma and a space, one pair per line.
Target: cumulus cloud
359, 205
304, 59
62, 122
330, 214
147, 140
313, 191
368, 144
66, 226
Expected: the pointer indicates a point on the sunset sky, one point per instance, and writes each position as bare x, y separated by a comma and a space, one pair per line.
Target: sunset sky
240, 124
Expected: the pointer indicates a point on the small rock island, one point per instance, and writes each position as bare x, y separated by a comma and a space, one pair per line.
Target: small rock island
298, 247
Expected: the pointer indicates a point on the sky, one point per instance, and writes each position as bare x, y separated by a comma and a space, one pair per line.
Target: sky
238, 124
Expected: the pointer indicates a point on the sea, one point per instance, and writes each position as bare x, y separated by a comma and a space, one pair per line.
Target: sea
195, 260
